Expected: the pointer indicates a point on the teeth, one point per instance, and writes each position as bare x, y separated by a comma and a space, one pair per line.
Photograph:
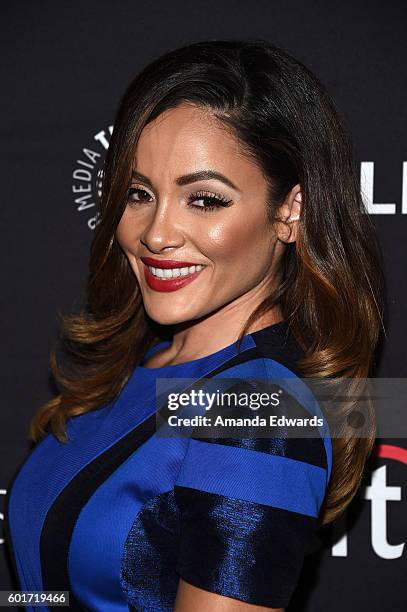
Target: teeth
174, 272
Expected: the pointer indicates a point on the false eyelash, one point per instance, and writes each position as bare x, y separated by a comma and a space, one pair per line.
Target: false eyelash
216, 200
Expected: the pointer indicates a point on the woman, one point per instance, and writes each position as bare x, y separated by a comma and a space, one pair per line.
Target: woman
229, 200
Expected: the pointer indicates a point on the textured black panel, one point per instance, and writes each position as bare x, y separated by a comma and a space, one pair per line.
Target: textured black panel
148, 574
241, 549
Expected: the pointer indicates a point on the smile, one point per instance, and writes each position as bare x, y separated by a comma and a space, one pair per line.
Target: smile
168, 279
174, 272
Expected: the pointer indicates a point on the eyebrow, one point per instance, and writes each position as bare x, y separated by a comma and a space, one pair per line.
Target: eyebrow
193, 177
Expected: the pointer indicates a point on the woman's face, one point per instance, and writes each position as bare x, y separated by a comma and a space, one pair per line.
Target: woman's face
196, 200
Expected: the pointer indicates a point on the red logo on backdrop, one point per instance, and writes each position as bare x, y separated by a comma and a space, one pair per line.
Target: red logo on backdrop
388, 451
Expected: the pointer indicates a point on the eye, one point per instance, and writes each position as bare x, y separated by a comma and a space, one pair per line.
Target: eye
208, 200
136, 195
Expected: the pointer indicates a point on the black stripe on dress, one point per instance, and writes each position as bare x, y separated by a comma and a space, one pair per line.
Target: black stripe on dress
61, 517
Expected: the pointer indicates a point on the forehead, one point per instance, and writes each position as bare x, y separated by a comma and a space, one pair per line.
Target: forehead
189, 138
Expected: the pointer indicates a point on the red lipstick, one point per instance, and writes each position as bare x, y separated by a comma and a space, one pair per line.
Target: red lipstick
167, 284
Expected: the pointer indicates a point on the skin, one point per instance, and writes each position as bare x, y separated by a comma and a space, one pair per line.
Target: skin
240, 250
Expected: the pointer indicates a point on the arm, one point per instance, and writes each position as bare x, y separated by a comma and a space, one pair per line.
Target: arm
190, 597
248, 513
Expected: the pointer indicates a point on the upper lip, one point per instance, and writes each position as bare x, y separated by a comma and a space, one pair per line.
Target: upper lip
167, 263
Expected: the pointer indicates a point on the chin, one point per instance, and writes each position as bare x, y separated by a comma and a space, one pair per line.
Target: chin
168, 317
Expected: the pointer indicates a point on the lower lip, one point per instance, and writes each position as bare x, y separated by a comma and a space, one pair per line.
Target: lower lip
173, 284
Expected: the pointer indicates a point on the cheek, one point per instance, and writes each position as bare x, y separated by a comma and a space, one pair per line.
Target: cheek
239, 243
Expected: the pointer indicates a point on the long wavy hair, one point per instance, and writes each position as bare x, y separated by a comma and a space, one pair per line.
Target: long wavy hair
331, 290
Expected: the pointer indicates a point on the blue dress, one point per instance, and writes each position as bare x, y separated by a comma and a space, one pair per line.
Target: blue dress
118, 513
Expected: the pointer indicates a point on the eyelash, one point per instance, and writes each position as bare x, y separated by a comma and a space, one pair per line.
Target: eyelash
216, 200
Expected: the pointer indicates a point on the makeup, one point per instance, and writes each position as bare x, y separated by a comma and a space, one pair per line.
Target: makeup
170, 278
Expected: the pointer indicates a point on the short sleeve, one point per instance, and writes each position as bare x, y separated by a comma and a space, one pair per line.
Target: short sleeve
249, 512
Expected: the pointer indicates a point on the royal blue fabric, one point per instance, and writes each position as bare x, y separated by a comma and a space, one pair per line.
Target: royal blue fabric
96, 552
228, 470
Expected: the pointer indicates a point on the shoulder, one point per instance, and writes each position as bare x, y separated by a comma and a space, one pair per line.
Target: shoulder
249, 500
290, 442
271, 366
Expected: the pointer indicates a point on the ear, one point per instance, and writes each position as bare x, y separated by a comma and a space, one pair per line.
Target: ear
288, 215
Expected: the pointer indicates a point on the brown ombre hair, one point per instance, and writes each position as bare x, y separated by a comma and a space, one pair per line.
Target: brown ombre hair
331, 290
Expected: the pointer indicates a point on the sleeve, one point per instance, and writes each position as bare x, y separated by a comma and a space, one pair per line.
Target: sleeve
248, 512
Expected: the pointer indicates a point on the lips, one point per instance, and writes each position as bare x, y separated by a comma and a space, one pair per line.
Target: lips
168, 284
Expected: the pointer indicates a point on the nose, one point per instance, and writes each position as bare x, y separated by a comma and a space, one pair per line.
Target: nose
163, 230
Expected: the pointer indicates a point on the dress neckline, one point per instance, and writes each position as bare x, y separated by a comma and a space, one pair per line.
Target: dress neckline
279, 327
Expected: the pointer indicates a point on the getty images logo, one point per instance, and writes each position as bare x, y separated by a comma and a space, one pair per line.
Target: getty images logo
379, 493
87, 178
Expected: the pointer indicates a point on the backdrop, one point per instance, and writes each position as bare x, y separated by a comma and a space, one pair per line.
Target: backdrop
64, 67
